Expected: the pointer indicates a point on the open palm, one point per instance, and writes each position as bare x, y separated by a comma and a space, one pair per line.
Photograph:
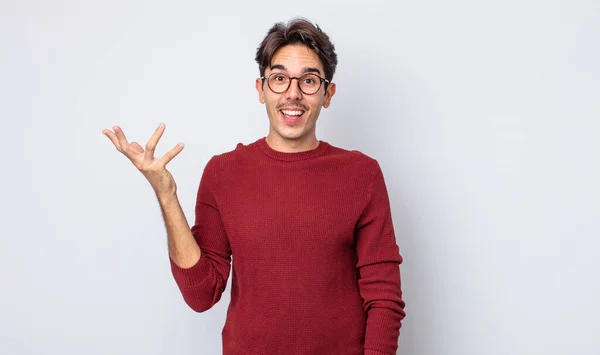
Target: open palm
154, 169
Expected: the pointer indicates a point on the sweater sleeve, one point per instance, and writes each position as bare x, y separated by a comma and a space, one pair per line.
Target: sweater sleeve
379, 273
203, 283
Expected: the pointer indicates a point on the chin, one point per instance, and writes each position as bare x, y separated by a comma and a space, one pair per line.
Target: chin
292, 136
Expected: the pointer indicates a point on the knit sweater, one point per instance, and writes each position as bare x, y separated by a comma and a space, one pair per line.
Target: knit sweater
315, 259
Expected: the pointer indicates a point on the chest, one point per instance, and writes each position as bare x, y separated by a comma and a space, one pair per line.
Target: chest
290, 211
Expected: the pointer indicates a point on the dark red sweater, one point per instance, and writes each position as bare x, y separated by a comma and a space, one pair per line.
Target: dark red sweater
315, 259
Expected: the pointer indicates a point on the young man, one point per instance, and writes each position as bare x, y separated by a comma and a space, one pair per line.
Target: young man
315, 259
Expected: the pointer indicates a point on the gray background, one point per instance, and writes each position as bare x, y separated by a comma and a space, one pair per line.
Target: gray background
483, 115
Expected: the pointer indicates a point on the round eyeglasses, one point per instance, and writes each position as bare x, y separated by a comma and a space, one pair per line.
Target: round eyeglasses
308, 83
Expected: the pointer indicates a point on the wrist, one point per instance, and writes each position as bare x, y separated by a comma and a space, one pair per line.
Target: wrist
166, 198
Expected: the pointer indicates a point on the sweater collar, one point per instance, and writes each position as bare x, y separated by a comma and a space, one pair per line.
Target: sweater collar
264, 146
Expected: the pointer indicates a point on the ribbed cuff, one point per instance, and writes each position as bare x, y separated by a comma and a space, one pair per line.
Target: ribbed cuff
374, 352
194, 275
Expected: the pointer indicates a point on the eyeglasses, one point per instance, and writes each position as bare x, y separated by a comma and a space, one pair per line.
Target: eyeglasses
308, 83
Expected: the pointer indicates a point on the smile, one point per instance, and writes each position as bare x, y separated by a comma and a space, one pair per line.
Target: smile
292, 112
292, 116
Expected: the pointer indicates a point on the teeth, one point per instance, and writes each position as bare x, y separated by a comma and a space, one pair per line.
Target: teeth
292, 113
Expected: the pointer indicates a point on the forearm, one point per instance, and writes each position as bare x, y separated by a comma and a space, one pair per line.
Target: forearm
381, 290
183, 249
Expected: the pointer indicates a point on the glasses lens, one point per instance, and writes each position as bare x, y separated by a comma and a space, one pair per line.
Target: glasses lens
309, 83
279, 82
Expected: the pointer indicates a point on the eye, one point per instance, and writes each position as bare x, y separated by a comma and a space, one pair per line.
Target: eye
309, 80
279, 77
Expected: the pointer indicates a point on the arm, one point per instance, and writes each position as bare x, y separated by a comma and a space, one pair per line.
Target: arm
201, 277
379, 272
183, 249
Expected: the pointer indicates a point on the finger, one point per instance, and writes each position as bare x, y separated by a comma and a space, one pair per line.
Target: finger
171, 154
112, 137
151, 145
121, 138
138, 148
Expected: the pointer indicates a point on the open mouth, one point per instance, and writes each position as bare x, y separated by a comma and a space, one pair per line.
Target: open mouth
292, 116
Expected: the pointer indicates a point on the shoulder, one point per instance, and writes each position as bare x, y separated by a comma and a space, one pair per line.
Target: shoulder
233, 158
354, 159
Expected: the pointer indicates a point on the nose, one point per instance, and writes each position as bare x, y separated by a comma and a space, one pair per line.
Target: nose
293, 92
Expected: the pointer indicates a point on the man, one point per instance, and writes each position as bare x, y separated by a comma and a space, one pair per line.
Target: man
315, 260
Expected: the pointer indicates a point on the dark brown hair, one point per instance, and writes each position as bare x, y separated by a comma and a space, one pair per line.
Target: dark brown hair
297, 31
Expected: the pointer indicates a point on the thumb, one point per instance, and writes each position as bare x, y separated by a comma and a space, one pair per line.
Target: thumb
138, 148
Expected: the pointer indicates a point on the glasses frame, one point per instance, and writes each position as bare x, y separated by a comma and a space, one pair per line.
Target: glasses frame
321, 80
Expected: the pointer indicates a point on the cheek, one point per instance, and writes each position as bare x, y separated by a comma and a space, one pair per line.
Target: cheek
315, 107
272, 100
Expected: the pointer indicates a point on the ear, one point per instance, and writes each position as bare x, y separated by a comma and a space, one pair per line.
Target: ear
259, 88
329, 94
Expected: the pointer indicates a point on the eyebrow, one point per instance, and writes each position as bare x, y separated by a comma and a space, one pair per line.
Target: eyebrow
305, 70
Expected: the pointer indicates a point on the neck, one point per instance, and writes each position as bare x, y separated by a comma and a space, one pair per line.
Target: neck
292, 145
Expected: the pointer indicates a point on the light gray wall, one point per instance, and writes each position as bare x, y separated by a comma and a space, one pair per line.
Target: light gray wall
483, 114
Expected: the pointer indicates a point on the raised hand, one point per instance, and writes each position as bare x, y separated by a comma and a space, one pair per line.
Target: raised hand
152, 168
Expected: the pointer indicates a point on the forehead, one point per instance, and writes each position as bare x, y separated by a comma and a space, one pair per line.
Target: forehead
296, 58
